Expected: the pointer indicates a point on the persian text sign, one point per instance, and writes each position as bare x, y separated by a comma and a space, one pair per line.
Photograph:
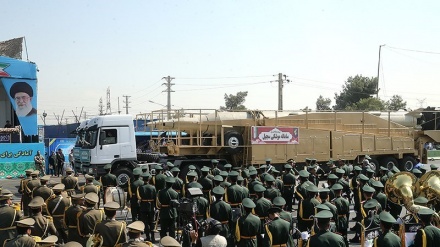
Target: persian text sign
274, 135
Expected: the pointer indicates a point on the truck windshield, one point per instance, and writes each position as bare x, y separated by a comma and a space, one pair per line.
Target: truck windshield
80, 138
90, 138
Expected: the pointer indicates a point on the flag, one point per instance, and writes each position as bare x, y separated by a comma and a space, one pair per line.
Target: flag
11, 48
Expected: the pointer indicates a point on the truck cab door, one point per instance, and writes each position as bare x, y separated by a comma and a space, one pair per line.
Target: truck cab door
109, 147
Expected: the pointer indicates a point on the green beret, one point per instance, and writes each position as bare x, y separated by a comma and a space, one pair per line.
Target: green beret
332, 176
304, 174
137, 172
218, 190
195, 185
279, 201
420, 200
368, 189
363, 177
175, 169
108, 167
170, 180
233, 174
322, 207
386, 217
259, 188
248, 203
426, 212
416, 171
340, 171
370, 204
337, 187
377, 184
287, 166
274, 210
269, 178
191, 173
218, 178
324, 190
227, 166
324, 214
312, 188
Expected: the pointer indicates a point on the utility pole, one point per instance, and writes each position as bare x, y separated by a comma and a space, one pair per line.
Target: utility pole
281, 79
119, 108
168, 90
108, 110
126, 103
101, 107
378, 70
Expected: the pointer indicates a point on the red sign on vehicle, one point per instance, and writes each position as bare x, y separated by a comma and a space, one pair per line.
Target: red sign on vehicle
274, 135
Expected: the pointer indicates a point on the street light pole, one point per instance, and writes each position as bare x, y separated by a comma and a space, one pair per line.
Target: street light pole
378, 70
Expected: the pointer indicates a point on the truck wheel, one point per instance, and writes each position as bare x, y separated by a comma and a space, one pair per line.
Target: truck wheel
123, 174
389, 162
407, 163
233, 142
376, 166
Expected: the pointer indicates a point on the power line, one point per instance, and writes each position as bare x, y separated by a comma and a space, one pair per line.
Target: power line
236, 85
223, 77
412, 50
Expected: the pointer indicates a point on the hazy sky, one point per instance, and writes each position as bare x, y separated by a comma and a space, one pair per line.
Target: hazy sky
217, 47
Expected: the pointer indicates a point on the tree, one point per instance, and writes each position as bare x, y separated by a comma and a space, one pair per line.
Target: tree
355, 89
368, 104
323, 104
234, 102
395, 103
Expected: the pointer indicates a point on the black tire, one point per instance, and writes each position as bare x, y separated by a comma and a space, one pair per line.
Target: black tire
233, 142
407, 163
122, 175
376, 166
151, 157
389, 162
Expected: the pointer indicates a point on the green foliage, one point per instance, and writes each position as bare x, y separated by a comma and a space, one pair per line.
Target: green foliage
395, 103
323, 104
368, 104
234, 102
355, 89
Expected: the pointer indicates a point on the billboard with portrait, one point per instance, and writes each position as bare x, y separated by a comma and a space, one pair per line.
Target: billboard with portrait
19, 79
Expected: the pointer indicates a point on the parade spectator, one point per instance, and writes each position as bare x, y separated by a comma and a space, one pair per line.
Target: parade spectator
52, 163
40, 163
60, 163
8, 124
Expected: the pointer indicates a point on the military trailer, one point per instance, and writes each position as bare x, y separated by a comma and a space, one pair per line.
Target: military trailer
250, 137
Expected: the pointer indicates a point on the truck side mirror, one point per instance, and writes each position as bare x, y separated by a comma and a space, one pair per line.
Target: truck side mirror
102, 136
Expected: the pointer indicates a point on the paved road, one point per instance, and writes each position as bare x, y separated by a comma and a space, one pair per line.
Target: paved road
12, 184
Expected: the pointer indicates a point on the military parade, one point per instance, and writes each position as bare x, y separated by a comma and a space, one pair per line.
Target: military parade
256, 205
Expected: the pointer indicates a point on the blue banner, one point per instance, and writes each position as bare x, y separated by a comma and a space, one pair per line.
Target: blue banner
65, 144
15, 158
19, 79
